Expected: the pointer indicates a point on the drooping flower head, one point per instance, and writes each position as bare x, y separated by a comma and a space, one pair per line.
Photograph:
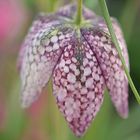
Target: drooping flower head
82, 62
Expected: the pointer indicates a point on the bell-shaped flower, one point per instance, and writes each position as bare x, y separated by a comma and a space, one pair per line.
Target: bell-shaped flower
82, 62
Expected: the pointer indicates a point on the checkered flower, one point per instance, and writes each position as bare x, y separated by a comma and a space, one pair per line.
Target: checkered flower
82, 62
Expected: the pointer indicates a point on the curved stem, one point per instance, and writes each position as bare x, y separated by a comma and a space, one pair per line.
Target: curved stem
79, 12
115, 41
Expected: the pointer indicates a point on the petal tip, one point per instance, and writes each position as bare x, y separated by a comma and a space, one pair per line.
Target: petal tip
25, 104
124, 115
123, 111
27, 100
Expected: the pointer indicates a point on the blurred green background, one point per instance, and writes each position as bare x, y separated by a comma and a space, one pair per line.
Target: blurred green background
43, 121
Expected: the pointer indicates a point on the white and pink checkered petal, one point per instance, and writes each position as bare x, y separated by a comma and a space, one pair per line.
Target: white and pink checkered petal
121, 40
119, 34
39, 62
69, 11
78, 86
111, 67
41, 25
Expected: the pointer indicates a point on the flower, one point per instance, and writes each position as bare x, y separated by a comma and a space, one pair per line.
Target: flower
83, 61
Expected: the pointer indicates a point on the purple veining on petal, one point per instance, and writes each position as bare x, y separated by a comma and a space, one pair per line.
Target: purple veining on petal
112, 68
78, 85
81, 66
100, 23
39, 61
42, 23
69, 11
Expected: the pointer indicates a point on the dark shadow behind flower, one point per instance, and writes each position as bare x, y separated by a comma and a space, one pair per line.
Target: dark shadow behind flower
82, 61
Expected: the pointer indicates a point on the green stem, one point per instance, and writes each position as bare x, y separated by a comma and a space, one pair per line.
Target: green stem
79, 12
115, 41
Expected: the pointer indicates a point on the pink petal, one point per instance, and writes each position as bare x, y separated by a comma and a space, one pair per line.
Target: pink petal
39, 59
69, 11
111, 65
42, 23
78, 85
